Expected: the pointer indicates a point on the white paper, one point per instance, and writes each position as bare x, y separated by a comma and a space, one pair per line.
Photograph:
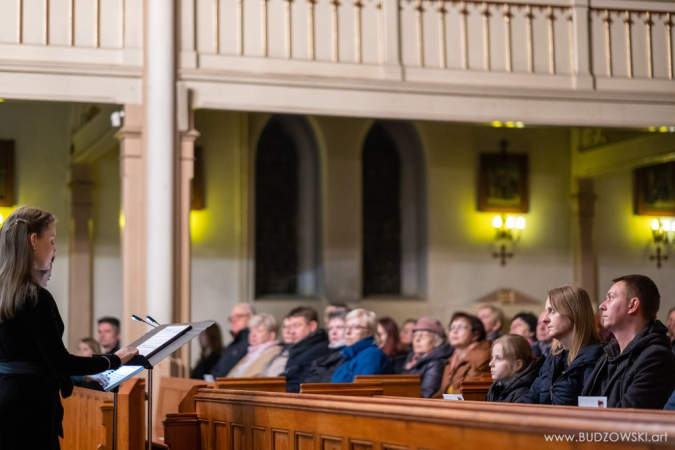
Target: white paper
453, 397
593, 402
161, 338
208, 377
111, 378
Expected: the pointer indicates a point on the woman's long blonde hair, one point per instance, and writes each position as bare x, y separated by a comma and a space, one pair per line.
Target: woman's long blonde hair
19, 280
573, 302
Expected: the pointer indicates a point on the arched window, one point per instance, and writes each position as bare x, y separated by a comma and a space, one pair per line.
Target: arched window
286, 210
394, 212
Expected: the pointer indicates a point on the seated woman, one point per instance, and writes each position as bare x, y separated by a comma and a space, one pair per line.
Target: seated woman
575, 350
88, 347
430, 354
361, 355
211, 343
513, 369
390, 343
471, 357
262, 347
322, 369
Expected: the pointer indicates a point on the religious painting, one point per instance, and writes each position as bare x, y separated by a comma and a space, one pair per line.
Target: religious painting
654, 190
503, 183
6, 173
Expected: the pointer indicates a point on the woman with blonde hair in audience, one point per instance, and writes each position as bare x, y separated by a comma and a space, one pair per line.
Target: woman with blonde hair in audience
513, 369
430, 354
469, 361
88, 347
262, 347
34, 364
361, 355
211, 343
571, 324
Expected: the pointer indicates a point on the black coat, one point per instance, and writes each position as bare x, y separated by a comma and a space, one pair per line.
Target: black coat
559, 384
322, 369
430, 368
231, 354
519, 387
398, 360
639, 377
205, 366
30, 407
301, 356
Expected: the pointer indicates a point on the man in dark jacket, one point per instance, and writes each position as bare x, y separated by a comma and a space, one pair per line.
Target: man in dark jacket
311, 343
636, 370
233, 353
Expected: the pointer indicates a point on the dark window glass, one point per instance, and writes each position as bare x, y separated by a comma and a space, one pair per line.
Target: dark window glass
276, 213
381, 215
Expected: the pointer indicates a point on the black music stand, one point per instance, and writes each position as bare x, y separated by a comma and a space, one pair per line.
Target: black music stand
139, 363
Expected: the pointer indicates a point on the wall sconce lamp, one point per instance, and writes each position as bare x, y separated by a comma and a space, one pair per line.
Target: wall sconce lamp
508, 230
662, 235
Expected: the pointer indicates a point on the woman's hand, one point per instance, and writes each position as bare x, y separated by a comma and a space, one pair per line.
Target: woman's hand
126, 353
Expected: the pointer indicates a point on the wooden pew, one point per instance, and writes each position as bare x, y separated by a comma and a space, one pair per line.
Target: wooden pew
363, 389
172, 391
395, 385
88, 418
234, 420
266, 384
475, 390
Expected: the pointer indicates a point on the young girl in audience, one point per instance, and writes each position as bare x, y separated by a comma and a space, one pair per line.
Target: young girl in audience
513, 369
570, 321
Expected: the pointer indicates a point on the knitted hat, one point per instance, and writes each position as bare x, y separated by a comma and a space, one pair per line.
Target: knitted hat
428, 324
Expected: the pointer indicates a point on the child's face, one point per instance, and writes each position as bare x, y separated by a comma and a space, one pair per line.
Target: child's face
499, 367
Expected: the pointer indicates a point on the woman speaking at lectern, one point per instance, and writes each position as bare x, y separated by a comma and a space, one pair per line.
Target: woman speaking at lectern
34, 364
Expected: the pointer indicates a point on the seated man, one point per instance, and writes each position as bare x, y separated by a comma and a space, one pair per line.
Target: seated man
636, 370
233, 353
109, 334
492, 318
311, 343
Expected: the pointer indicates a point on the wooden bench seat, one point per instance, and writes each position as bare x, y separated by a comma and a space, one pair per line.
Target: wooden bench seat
234, 420
395, 385
363, 389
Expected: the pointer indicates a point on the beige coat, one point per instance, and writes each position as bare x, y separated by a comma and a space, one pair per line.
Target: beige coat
255, 368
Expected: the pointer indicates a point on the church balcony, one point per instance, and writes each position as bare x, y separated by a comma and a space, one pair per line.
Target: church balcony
564, 62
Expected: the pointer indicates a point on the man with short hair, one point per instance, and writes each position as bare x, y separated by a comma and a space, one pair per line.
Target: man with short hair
311, 343
109, 334
233, 353
636, 370
670, 323
492, 318
525, 324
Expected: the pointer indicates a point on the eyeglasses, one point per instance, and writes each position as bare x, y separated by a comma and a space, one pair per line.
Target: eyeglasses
234, 317
458, 328
351, 328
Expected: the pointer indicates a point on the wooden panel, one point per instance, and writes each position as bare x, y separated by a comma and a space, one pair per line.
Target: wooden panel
360, 445
221, 435
172, 391
331, 443
259, 438
206, 435
475, 390
280, 440
265, 384
395, 385
364, 389
393, 447
238, 434
304, 441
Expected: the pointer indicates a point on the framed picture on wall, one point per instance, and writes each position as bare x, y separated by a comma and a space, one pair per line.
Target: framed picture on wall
503, 183
6, 173
654, 190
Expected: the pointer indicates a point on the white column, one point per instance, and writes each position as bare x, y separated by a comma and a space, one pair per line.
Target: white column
161, 152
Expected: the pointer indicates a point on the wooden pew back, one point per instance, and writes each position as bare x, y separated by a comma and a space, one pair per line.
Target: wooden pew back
395, 385
234, 420
172, 391
363, 389
265, 384
475, 390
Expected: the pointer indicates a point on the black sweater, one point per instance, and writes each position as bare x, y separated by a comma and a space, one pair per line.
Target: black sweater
513, 391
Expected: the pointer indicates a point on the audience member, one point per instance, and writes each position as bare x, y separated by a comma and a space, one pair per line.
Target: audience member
88, 347
406, 333
262, 347
361, 355
233, 353
211, 343
334, 307
492, 318
670, 323
277, 365
569, 318
322, 369
390, 343
525, 324
109, 334
544, 342
471, 357
311, 343
513, 369
430, 354
636, 370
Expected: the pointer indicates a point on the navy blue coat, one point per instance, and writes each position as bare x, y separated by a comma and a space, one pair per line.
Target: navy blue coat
569, 381
362, 358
